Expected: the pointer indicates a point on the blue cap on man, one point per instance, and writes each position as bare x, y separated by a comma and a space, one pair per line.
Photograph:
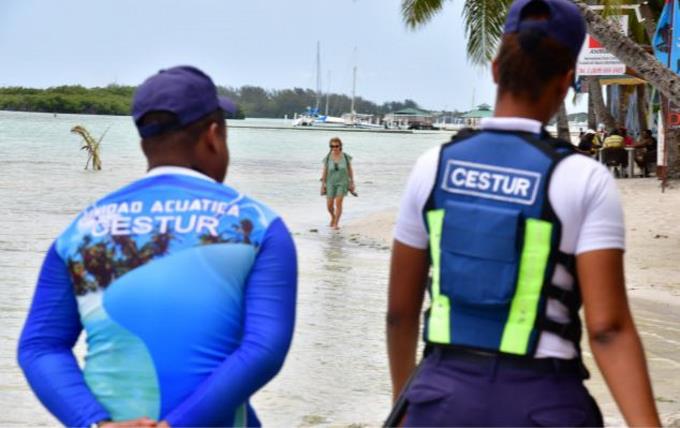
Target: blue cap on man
184, 91
565, 22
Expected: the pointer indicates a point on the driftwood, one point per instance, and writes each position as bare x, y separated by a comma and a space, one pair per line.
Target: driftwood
91, 146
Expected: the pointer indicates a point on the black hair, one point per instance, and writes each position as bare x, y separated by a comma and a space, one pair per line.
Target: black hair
525, 68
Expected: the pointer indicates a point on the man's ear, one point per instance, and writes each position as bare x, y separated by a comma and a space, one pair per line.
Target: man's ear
213, 138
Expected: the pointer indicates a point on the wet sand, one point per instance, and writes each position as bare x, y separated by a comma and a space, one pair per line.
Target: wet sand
652, 279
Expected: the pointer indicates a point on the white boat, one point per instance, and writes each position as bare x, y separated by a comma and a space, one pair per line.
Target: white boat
312, 117
457, 125
363, 121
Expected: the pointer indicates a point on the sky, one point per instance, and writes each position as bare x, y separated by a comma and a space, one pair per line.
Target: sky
266, 43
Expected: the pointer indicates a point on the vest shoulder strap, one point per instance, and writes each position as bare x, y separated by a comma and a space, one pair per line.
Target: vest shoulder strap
461, 135
556, 148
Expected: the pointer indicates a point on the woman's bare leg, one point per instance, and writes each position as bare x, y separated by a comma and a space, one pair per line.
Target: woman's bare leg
338, 211
331, 211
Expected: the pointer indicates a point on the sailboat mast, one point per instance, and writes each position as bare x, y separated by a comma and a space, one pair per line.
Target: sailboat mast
354, 89
318, 75
328, 91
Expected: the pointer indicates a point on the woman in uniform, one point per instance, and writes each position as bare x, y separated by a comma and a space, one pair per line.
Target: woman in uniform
519, 231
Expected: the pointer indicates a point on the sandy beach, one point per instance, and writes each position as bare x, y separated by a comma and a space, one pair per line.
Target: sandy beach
652, 279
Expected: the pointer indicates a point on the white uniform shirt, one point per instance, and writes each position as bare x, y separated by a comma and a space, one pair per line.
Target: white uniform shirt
585, 199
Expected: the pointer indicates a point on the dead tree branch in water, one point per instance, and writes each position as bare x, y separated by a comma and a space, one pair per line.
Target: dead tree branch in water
91, 146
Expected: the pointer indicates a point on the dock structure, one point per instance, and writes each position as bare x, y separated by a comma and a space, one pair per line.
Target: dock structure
409, 118
473, 117
320, 128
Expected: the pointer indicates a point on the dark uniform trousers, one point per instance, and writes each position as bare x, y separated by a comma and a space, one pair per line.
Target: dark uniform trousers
466, 388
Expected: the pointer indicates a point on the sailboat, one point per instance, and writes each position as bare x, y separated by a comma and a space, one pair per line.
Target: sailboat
312, 117
358, 120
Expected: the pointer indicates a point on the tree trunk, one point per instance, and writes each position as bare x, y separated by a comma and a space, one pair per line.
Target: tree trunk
592, 118
642, 107
563, 123
601, 112
624, 101
650, 19
673, 142
632, 54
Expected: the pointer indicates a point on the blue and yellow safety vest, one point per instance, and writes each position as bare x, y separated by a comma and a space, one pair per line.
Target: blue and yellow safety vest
494, 244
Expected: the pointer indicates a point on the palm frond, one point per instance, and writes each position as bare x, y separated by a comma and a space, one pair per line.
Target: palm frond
419, 12
484, 21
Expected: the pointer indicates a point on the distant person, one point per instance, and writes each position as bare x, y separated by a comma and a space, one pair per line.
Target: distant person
186, 287
614, 153
600, 135
628, 141
586, 145
337, 178
614, 140
645, 151
518, 230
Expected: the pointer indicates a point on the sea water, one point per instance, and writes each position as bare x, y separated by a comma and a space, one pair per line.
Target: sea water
336, 372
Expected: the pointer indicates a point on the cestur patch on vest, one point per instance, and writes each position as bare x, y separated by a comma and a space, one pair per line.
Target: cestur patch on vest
491, 182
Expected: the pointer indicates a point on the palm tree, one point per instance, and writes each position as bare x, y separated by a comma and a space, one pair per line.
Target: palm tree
632, 54
602, 114
484, 26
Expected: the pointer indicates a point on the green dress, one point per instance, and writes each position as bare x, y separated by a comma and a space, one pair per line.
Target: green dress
337, 176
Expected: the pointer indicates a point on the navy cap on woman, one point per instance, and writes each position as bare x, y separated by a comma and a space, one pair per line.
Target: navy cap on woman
518, 231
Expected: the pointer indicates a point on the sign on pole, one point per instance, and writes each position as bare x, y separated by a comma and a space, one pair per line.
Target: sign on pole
595, 60
661, 143
674, 117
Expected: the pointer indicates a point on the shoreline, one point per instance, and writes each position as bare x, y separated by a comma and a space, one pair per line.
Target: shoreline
652, 273
652, 238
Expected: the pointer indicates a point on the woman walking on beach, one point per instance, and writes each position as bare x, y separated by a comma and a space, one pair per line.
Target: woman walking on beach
337, 179
519, 231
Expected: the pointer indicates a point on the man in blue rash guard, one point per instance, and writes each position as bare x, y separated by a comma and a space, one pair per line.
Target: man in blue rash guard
185, 287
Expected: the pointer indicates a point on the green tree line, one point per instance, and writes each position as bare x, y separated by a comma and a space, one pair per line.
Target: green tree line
253, 101
113, 99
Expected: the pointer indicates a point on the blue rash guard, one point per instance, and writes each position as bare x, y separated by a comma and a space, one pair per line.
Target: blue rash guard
186, 290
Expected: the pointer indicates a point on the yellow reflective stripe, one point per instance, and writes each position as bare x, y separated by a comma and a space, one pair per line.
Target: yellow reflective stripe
438, 327
524, 306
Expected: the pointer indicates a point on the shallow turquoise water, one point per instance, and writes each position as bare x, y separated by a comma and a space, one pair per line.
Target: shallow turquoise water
336, 372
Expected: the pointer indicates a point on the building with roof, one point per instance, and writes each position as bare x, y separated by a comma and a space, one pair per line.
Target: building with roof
473, 117
409, 118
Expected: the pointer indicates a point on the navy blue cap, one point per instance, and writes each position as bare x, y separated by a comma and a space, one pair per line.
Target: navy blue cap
565, 23
185, 91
